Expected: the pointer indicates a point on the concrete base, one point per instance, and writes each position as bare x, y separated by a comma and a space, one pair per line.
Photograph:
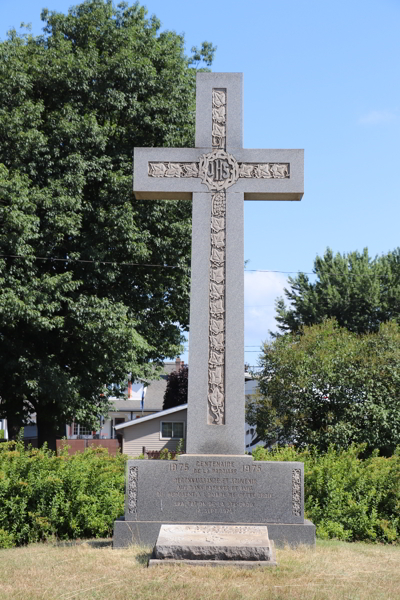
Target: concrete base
146, 532
243, 564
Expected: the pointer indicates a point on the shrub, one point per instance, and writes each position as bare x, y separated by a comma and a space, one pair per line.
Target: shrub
347, 497
43, 495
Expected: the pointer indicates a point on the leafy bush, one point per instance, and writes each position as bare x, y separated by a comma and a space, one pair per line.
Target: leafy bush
165, 454
43, 495
347, 497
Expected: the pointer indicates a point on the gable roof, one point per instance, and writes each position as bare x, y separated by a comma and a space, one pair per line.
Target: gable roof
154, 394
160, 413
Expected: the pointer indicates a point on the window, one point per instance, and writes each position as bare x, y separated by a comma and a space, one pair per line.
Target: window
82, 430
172, 430
117, 421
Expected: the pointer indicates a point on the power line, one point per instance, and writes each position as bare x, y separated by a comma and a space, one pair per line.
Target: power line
269, 271
99, 262
132, 264
156, 266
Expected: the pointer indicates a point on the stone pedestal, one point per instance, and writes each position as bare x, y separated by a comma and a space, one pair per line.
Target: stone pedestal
206, 545
214, 490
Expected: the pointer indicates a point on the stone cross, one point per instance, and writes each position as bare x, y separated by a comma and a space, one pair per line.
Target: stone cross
217, 175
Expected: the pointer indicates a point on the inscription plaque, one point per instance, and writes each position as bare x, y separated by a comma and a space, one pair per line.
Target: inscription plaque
213, 489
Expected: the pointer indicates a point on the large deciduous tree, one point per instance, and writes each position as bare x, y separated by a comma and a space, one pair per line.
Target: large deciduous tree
359, 292
75, 313
176, 392
330, 386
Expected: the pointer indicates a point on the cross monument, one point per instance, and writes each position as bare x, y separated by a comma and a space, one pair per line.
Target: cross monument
215, 495
217, 175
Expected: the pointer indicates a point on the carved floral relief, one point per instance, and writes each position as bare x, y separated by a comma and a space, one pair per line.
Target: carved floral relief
230, 170
296, 492
218, 171
218, 118
132, 491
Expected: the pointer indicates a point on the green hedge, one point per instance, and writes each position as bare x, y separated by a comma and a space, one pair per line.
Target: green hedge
43, 495
347, 497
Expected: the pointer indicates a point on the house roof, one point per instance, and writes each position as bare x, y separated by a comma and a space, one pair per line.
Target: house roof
154, 394
160, 413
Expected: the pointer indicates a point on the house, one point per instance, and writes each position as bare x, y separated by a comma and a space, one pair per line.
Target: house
160, 430
164, 429
141, 399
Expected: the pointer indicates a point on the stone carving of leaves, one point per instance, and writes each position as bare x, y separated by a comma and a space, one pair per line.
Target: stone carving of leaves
215, 376
132, 490
157, 170
217, 306
218, 239
246, 170
216, 358
217, 256
173, 170
217, 341
216, 290
217, 223
296, 492
191, 170
216, 398
218, 98
217, 274
218, 130
218, 114
216, 326
218, 204
218, 142
263, 171
279, 171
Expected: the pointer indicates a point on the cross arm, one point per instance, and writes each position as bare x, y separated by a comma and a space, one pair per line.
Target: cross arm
167, 173
282, 180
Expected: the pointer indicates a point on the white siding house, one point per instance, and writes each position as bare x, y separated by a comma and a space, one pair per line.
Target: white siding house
154, 432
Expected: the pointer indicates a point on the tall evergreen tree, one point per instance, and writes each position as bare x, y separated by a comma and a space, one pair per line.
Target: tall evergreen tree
79, 308
359, 292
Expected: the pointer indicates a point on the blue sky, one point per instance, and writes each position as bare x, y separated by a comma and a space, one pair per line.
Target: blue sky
318, 75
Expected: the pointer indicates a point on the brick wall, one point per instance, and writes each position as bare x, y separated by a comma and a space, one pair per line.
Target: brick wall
79, 445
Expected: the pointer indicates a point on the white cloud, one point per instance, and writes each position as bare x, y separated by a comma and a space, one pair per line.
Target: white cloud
260, 292
375, 117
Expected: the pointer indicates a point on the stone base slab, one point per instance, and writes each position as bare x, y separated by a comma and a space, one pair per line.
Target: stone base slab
146, 532
244, 564
213, 542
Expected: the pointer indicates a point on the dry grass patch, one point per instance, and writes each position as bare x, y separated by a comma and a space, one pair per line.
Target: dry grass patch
334, 571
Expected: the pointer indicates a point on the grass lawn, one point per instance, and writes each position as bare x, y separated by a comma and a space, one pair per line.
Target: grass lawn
333, 571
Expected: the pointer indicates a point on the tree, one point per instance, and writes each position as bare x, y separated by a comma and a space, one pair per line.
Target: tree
360, 293
330, 386
79, 308
176, 392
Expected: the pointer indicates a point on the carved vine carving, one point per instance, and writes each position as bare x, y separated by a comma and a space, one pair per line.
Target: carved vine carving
218, 171
132, 491
236, 170
173, 169
264, 170
216, 353
296, 492
218, 118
